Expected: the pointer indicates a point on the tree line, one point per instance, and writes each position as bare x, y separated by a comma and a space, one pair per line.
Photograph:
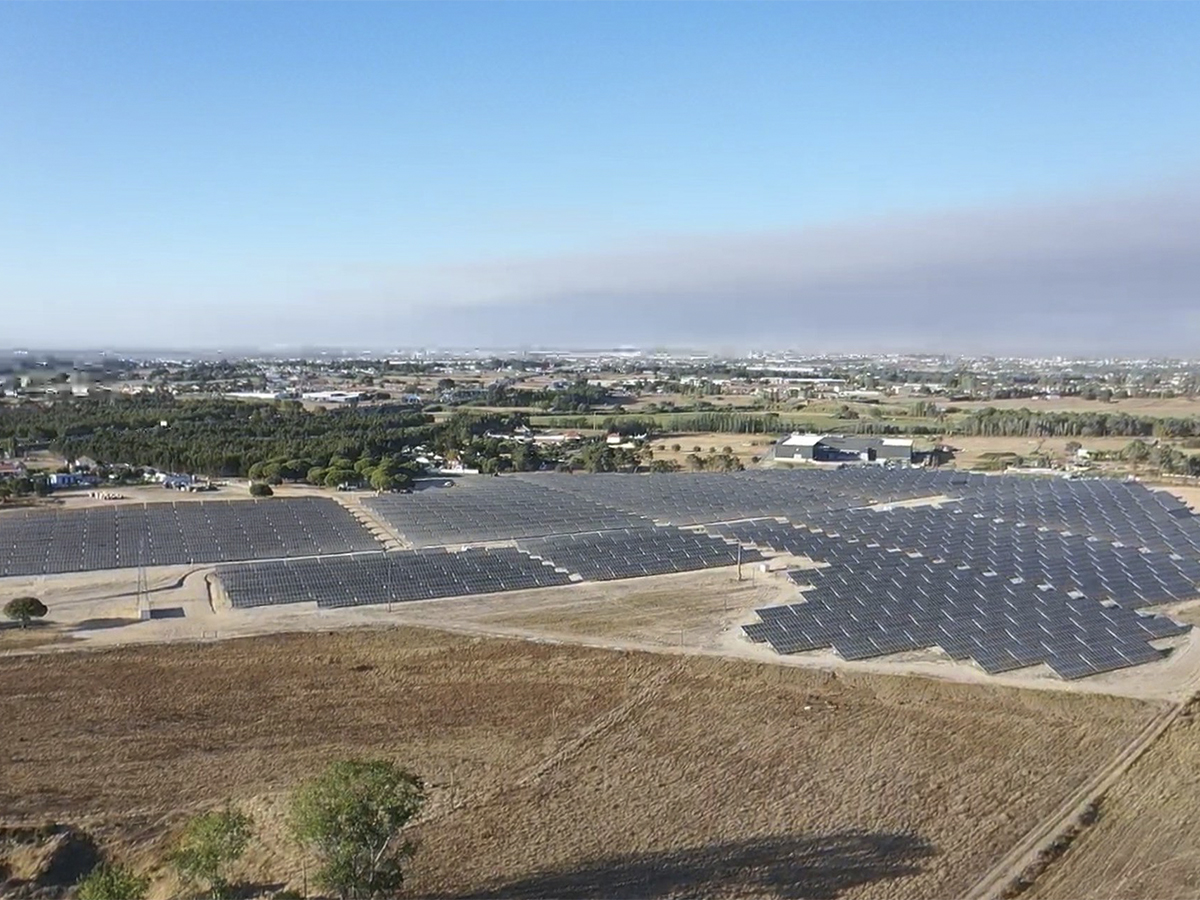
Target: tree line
992, 422
219, 438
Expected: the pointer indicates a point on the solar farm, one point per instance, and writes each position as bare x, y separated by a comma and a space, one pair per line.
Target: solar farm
52, 542
1001, 572
534, 665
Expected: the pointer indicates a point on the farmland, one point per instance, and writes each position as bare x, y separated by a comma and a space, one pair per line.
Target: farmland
560, 771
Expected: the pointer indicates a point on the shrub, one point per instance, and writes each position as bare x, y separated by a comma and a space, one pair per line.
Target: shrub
209, 843
113, 882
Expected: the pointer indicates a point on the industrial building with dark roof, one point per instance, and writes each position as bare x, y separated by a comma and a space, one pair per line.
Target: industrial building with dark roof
841, 448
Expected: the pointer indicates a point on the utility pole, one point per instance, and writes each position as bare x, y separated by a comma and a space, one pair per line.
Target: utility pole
143, 588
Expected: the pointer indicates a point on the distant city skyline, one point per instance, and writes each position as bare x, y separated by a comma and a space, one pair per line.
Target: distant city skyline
961, 178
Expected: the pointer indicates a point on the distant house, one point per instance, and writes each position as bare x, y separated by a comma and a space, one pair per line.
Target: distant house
12, 469
72, 479
183, 482
840, 448
332, 396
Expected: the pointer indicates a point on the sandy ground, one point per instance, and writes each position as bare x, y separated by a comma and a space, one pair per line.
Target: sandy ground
231, 489
555, 770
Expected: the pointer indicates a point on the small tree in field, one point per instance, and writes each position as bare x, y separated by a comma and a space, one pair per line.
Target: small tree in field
113, 883
260, 489
210, 842
351, 816
25, 609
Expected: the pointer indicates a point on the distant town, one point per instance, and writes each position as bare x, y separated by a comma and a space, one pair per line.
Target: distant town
100, 420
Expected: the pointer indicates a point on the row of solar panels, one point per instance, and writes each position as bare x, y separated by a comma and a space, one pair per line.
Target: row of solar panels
394, 577
424, 574
46, 542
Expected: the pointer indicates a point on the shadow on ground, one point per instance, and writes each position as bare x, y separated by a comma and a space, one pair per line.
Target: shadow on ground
100, 624
797, 868
253, 890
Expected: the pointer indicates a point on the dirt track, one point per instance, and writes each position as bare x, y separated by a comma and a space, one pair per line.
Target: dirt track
1144, 845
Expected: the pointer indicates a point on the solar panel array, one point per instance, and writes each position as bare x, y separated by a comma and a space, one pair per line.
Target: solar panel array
48, 542
1007, 571
891, 586
394, 577
694, 499
492, 509
1104, 570
1106, 510
635, 552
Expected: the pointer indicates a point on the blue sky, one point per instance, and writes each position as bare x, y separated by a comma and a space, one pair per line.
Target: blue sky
261, 162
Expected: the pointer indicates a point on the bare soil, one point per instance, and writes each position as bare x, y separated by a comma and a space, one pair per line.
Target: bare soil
558, 770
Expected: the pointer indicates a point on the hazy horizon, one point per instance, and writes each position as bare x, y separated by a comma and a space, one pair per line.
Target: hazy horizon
977, 179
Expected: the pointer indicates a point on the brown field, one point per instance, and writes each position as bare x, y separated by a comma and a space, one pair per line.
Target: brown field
744, 446
1144, 846
972, 451
554, 770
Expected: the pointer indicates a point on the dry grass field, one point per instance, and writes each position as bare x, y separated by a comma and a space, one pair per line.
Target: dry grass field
557, 771
1144, 845
973, 451
744, 446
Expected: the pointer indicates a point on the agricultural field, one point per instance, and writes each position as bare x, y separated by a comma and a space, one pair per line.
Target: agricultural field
744, 446
976, 452
555, 770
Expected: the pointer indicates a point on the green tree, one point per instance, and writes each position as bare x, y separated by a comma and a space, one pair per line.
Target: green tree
382, 480
1136, 452
210, 843
351, 816
260, 489
526, 458
25, 609
112, 882
335, 477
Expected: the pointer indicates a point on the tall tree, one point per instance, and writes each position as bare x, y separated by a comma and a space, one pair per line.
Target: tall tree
351, 816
